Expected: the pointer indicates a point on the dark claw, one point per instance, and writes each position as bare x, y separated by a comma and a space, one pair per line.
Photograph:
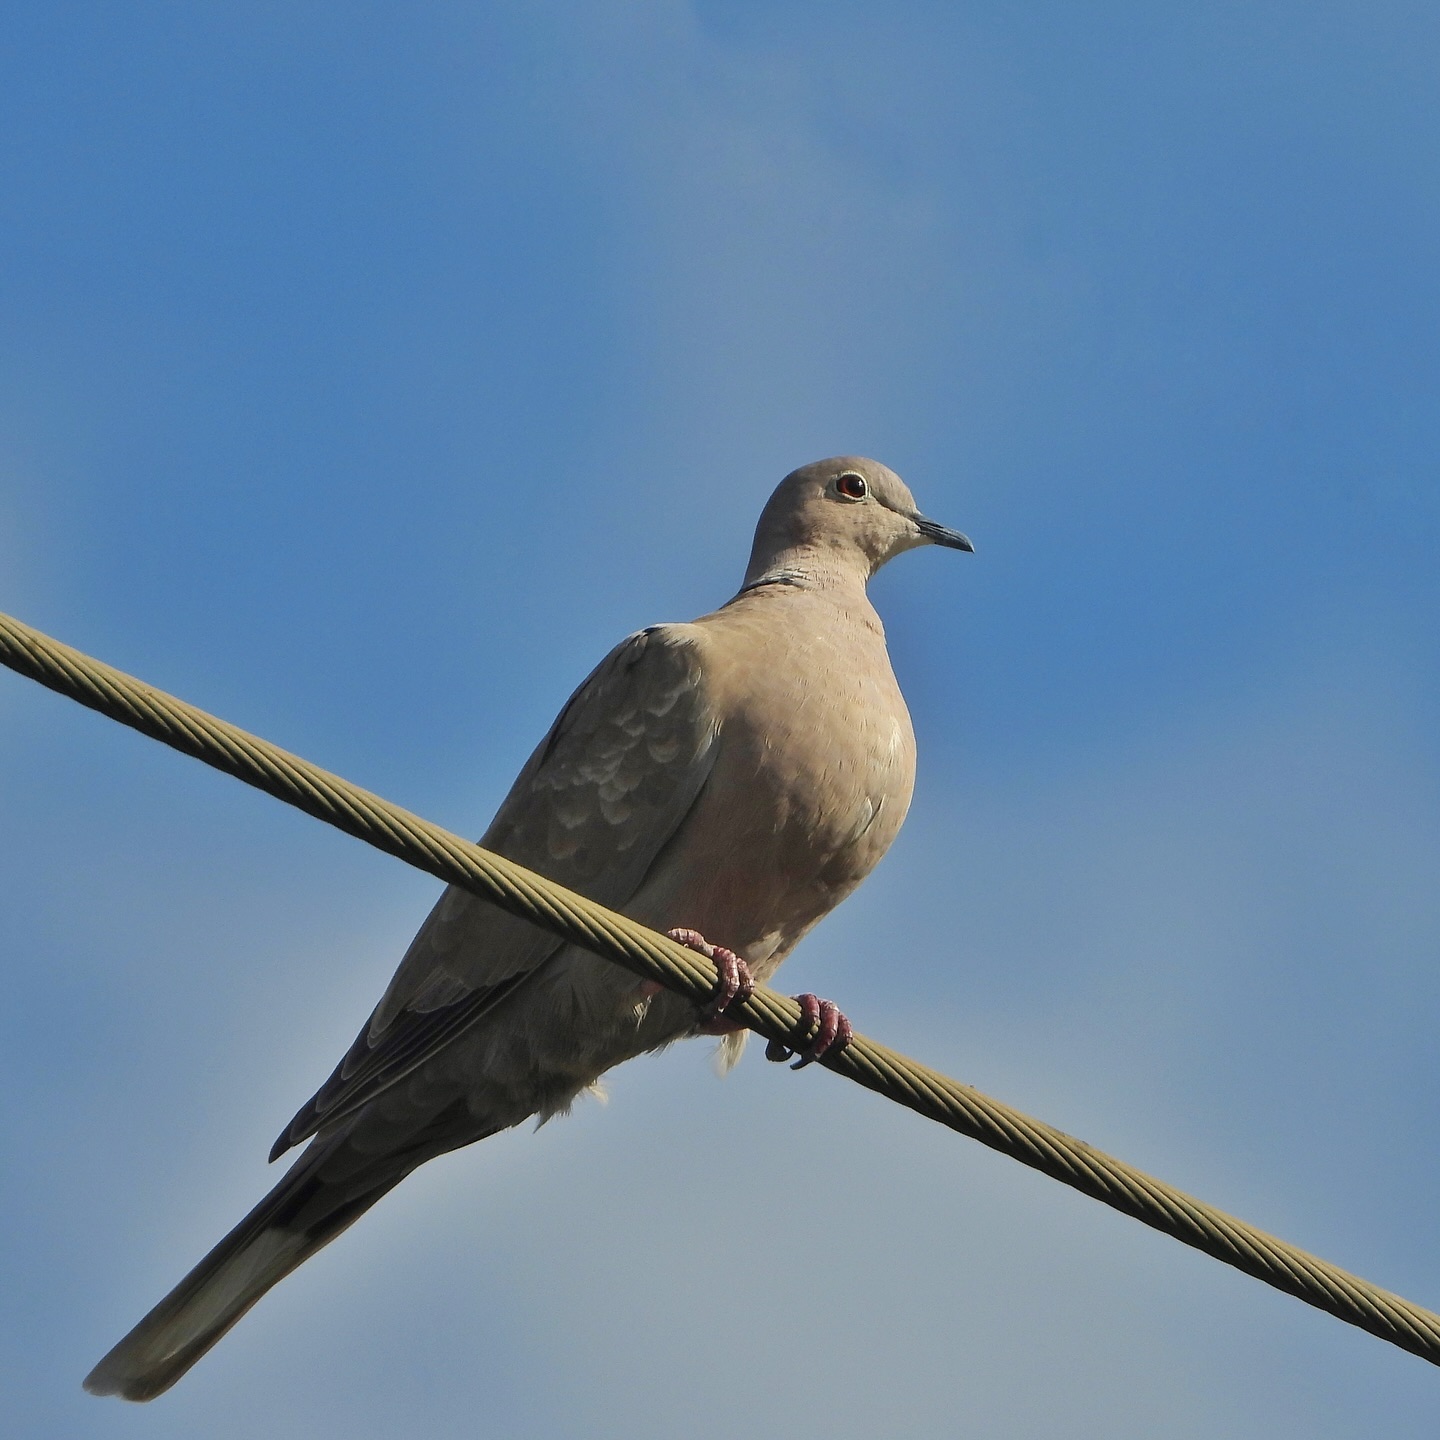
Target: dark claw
823, 1029
734, 982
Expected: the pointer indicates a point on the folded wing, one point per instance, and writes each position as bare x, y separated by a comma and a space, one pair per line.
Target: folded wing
604, 791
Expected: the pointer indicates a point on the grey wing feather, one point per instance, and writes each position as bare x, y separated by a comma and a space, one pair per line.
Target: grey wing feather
594, 805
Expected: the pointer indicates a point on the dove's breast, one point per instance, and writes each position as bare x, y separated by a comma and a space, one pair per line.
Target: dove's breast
813, 776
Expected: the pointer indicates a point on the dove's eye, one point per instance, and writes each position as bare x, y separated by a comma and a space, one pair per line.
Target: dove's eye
851, 486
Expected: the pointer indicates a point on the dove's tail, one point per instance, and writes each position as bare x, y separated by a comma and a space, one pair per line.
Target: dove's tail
326, 1189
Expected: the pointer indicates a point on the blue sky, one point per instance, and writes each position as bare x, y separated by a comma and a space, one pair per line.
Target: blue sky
367, 370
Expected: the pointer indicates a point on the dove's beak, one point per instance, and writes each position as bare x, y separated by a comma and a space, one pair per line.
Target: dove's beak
938, 534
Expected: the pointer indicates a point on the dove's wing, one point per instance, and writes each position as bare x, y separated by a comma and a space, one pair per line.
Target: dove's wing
605, 790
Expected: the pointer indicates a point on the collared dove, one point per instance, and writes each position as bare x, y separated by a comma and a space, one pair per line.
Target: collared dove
737, 776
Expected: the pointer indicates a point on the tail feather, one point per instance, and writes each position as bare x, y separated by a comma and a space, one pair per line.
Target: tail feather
300, 1215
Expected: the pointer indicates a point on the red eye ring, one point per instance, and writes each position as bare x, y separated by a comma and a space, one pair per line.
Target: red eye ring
851, 486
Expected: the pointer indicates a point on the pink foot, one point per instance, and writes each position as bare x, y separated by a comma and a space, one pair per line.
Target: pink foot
822, 1030
735, 981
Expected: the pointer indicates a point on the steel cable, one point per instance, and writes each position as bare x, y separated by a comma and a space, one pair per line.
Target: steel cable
656, 957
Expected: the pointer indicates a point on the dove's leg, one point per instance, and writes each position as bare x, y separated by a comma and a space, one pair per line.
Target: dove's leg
823, 1029
735, 981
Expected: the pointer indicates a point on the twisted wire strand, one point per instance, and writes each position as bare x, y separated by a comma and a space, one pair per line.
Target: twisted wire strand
653, 956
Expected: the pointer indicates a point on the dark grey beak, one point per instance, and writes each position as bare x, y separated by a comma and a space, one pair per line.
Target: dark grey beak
938, 534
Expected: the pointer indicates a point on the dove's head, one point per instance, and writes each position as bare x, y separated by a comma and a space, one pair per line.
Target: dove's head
840, 519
